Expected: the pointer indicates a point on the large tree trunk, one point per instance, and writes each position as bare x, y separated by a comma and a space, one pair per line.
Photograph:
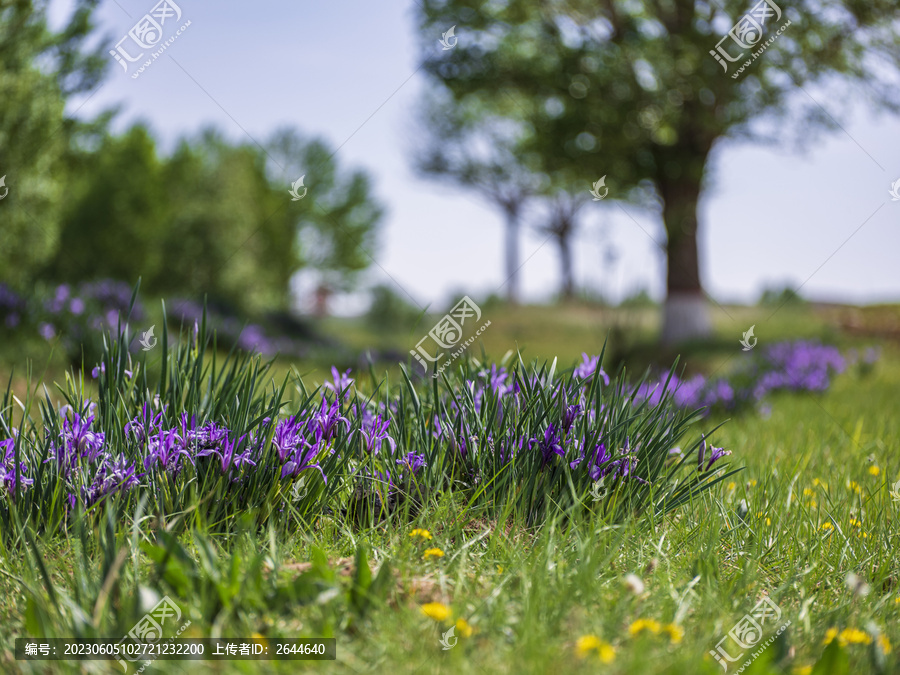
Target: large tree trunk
511, 245
567, 291
685, 313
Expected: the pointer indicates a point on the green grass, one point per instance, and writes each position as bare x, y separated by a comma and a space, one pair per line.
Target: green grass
814, 512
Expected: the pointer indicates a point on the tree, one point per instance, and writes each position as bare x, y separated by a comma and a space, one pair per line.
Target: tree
478, 149
561, 224
643, 81
228, 234
39, 70
335, 222
115, 215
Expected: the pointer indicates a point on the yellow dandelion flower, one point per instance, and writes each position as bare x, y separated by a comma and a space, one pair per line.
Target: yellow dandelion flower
855, 523
436, 610
874, 470
885, 644
433, 553
808, 493
463, 627
751, 482
588, 644
732, 485
607, 653
644, 624
802, 670
854, 486
499, 569
768, 521
897, 600
827, 526
848, 636
854, 636
425, 534
675, 632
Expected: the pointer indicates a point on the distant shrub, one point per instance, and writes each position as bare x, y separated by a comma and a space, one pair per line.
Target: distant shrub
390, 311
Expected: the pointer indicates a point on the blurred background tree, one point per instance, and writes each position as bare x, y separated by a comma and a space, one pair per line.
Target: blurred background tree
211, 218
631, 91
479, 148
336, 222
39, 70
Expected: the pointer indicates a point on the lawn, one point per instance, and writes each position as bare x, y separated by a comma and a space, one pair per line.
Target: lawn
528, 582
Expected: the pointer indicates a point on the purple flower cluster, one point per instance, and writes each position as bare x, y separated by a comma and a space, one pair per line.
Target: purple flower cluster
84, 462
558, 439
250, 337
601, 463
588, 367
8, 468
301, 442
785, 366
96, 304
12, 307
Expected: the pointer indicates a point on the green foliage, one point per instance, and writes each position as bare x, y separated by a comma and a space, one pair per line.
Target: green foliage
391, 312
227, 231
337, 220
210, 220
115, 213
39, 69
782, 296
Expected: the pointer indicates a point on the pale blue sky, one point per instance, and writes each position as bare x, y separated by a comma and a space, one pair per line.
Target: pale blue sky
770, 215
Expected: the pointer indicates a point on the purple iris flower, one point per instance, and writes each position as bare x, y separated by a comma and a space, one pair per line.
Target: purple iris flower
112, 476
376, 434
47, 331
572, 413
497, 380
76, 440
8, 468
412, 462
288, 437
144, 425
715, 454
207, 440
328, 420
342, 381
228, 458
598, 457
304, 458
588, 367
549, 445
165, 449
